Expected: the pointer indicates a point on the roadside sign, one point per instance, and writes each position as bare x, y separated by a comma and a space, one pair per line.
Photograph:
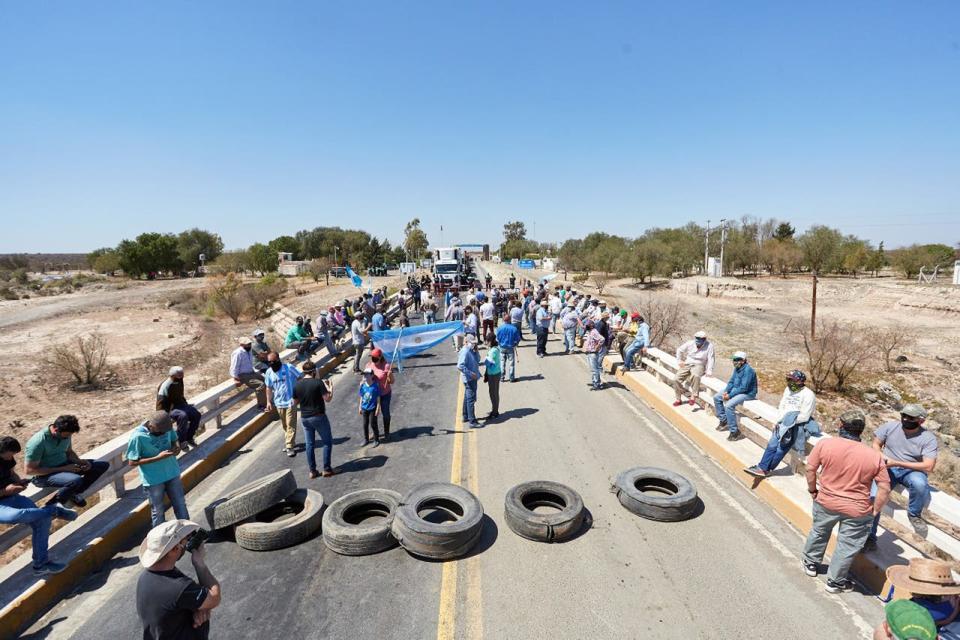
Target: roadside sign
525, 264
408, 267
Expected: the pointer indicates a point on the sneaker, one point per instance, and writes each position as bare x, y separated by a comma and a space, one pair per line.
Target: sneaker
192, 443
184, 446
474, 424
366, 443
756, 472
677, 403
722, 425
811, 568
919, 525
734, 436
66, 514
291, 452
76, 501
869, 545
692, 402
376, 443
839, 586
49, 568
313, 474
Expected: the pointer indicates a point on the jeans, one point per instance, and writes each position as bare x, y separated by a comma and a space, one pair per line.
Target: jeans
314, 426
469, 400
72, 484
509, 357
173, 489
493, 386
593, 359
553, 322
635, 347
853, 533
918, 490
519, 327
542, 341
385, 412
331, 348
726, 410
188, 421
370, 421
569, 335
428, 317
357, 356
17, 509
773, 454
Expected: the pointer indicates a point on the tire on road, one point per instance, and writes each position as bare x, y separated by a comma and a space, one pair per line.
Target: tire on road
656, 494
555, 526
438, 540
347, 528
284, 524
250, 499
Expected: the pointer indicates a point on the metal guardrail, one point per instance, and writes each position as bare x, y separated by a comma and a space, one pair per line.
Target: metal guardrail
121, 478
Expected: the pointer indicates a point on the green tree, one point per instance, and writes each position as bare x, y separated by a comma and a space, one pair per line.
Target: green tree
877, 260
784, 231
515, 230
107, 262
232, 262
193, 242
821, 248
286, 244
262, 258
414, 239
149, 253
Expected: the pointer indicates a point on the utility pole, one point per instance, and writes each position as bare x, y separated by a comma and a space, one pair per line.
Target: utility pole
723, 236
706, 250
813, 308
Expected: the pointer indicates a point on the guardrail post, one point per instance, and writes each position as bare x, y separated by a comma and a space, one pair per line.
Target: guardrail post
216, 407
117, 487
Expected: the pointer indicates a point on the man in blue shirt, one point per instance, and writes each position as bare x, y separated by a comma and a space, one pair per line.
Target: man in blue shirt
469, 368
639, 344
741, 387
153, 449
379, 322
516, 317
508, 335
280, 379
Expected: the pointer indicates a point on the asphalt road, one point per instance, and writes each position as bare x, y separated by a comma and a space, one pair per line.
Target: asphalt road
733, 571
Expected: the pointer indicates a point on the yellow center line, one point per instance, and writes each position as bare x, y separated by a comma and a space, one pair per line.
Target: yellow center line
447, 618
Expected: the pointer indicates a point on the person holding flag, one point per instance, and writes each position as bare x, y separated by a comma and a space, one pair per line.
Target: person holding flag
383, 372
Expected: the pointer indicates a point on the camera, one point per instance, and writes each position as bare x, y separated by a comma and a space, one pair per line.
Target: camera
196, 539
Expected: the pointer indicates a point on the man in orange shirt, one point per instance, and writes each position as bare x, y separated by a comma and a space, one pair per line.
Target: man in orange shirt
847, 470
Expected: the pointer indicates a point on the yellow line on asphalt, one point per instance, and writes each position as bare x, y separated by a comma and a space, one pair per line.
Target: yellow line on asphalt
447, 618
474, 600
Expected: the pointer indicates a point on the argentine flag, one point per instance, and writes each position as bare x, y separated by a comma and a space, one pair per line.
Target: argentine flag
404, 342
357, 281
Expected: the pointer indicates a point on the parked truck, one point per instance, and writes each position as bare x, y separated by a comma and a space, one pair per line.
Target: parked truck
449, 268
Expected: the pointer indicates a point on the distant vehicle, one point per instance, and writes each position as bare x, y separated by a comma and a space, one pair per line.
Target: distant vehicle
408, 267
379, 270
338, 272
426, 263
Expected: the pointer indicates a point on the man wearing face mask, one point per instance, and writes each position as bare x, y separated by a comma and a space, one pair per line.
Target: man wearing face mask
172, 399
847, 470
910, 453
280, 379
741, 387
794, 425
695, 359
153, 450
242, 372
299, 338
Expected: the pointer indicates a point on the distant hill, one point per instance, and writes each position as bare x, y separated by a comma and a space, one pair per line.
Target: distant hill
43, 261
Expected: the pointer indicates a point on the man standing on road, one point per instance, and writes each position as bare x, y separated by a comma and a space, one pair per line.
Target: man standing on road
695, 359
359, 329
280, 379
241, 370
311, 394
508, 337
592, 345
847, 471
469, 368
569, 321
172, 399
170, 604
639, 344
543, 319
52, 462
741, 387
488, 318
513, 281
516, 317
153, 450
910, 453
556, 306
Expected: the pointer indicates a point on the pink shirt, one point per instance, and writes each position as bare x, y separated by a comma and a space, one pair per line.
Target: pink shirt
381, 371
847, 469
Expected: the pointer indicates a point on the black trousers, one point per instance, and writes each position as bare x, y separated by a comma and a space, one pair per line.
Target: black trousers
541, 341
370, 420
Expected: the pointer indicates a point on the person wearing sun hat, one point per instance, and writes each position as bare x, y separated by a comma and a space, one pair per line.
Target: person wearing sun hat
932, 585
905, 620
170, 604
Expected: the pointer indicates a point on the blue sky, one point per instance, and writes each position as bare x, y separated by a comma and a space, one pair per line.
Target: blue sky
256, 119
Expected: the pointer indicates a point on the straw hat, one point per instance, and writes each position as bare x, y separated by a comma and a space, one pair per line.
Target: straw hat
924, 577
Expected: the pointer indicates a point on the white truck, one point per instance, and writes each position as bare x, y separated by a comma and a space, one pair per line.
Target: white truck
447, 264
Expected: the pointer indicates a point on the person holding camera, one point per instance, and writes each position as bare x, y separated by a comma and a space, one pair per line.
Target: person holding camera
18, 509
170, 604
153, 450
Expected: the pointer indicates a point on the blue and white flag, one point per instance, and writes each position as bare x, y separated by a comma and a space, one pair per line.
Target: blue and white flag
397, 344
357, 280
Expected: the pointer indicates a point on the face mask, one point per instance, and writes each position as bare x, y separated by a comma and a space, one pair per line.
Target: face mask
276, 365
699, 342
247, 347
738, 363
909, 423
793, 386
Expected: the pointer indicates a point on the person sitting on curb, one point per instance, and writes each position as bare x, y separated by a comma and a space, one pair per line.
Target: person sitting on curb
847, 469
51, 460
794, 424
153, 450
639, 344
910, 452
905, 620
18, 509
741, 387
298, 338
243, 374
171, 398
260, 350
695, 359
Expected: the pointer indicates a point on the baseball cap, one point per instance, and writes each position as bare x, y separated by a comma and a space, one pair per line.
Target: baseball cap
367, 371
162, 538
470, 339
853, 419
913, 410
739, 355
376, 353
175, 371
700, 334
259, 332
910, 621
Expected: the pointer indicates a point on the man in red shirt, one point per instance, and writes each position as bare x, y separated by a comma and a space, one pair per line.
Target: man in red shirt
847, 470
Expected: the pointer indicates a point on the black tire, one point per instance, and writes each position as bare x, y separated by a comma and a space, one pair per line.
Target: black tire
656, 494
346, 529
272, 529
433, 540
250, 499
543, 527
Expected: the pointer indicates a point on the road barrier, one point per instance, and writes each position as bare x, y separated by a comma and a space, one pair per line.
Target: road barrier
787, 492
103, 529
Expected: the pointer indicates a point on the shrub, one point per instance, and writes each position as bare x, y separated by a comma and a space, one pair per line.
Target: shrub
892, 339
837, 351
83, 358
226, 295
8, 294
665, 317
261, 296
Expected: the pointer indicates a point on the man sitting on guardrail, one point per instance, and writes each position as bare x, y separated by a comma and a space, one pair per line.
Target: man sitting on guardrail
52, 462
242, 372
280, 379
910, 452
639, 344
847, 469
17, 509
328, 332
741, 387
695, 359
260, 350
794, 424
298, 338
172, 398
153, 450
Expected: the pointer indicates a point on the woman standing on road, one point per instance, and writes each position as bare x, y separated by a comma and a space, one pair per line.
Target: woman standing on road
383, 372
491, 374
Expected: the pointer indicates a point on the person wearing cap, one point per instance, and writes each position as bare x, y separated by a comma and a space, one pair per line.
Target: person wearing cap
569, 321
469, 367
695, 359
905, 620
172, 399
932, 585
369, 407
592, 344
508, 338
153, 450
383, 372
516, 317
359, 332
17, 509
471, 323
310, 395
794, 424
299, 338
260, 350
488, 317
846, 470
242, 372
639, 344
910, 452
542, 318
741, 387
326, 332
555, 303
169, 604
51, 460
280, 378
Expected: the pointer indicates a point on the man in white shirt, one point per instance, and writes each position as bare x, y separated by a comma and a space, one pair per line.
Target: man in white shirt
488, 318
695, 359
359, 329
556, 306
794, 424
241, 370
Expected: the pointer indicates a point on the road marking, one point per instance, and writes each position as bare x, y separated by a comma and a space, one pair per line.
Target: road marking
447, 618
474, 597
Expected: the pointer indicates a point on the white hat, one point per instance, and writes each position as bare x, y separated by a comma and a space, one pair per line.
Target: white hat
244, 340
700, 334
174, 371
739, 355
470, 339
162, 538
259, 332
